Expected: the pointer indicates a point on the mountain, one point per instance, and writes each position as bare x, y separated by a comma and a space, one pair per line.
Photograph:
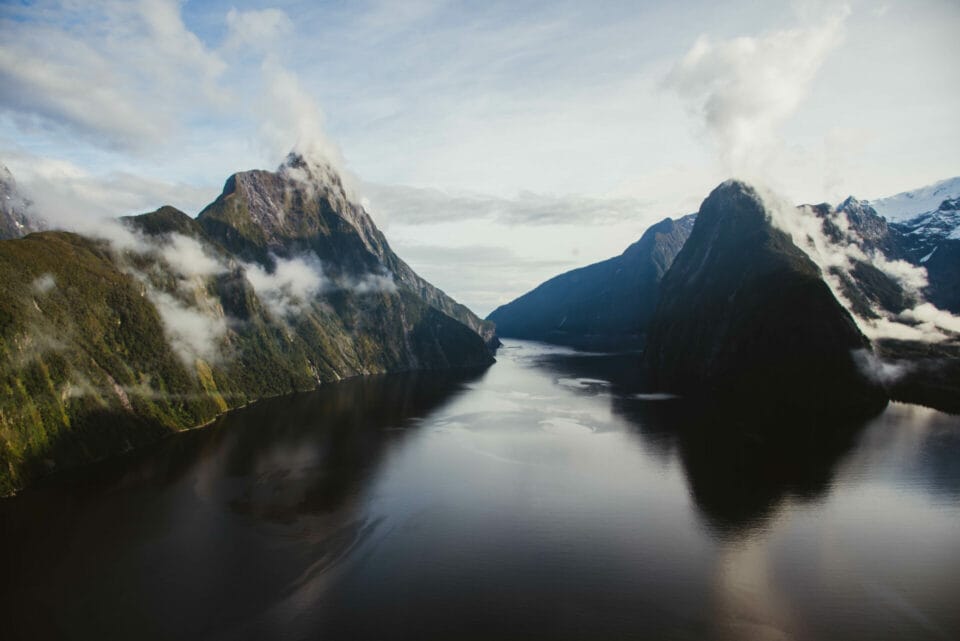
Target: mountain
16, 218
930, 239
910, 204
926, 223
746, 321
281, 284
606, 305
870, 292
304, 207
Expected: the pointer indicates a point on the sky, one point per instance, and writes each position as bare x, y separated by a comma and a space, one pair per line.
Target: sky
496, 144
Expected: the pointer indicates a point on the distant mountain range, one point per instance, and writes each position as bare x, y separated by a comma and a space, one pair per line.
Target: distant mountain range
890, 279
607, 305
281, 284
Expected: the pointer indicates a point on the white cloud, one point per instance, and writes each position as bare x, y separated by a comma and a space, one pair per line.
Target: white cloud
743, 89
879, 370
121, 74
43, 284
192, 332
923, 322
290, 116
423, 206
71, 197
291, 286
373, 283
188, 257
259, 30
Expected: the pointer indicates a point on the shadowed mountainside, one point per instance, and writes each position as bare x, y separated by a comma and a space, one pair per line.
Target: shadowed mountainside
607, 305
744, 314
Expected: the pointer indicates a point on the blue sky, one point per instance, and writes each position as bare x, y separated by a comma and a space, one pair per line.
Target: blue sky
496, 143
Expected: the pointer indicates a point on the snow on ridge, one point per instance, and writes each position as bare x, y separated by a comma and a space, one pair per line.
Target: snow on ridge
909, 204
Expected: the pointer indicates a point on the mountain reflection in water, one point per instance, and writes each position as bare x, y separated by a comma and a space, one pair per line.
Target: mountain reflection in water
547, 497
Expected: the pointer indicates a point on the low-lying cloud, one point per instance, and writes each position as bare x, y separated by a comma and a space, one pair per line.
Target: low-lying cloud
878, 370
43, 284
403, 205
294, 284
193, 333
291, 286
923, 322
69, 197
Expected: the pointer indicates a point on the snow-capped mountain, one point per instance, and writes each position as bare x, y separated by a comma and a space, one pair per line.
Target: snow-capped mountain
922, 234
921, 227
910, 204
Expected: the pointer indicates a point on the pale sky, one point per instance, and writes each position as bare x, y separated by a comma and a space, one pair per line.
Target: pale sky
496, 143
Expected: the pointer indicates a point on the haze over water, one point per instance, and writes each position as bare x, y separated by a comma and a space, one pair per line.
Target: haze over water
545, 497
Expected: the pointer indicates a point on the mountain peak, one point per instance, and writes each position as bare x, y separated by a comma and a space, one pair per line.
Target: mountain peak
16, 211
311, 170
745, 315
733, 199
910, 204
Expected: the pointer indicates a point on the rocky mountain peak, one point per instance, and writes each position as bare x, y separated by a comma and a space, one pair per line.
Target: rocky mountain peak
865, 222
16, 217
950, 204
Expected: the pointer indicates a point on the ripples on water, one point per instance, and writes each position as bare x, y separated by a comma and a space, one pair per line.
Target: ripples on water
550, 497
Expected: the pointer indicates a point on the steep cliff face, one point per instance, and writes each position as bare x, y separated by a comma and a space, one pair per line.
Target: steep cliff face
745, 317
105, 346
304, 207
607, 305
16, 218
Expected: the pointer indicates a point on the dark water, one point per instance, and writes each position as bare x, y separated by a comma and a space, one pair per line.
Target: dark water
540, 499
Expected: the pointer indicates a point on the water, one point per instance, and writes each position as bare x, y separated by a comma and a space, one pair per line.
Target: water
545, 498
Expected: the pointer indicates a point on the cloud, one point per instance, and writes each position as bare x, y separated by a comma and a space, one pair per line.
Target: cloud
418, 206
43, 284
295, 283
291, 286
193, 320
879, 370
193, 334
923, 322
123, 75
926, 315
289, 115
743, 89
188, 257
373, 283
259, 30
70, 197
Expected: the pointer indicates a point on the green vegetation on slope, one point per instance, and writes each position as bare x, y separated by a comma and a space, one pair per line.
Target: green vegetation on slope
91, 363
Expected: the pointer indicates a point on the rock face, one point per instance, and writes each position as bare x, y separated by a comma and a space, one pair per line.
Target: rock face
280, 285
15, 217
924, 227
304, 207
932, 240
745, 320
607, 305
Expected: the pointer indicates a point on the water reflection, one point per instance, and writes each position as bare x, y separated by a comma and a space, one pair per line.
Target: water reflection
546, 498
235, 513
738, 472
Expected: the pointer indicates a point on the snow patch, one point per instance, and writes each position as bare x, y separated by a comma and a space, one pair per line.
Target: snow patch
909, 204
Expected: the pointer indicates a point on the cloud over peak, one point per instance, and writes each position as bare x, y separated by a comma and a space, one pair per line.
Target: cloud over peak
743, 89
